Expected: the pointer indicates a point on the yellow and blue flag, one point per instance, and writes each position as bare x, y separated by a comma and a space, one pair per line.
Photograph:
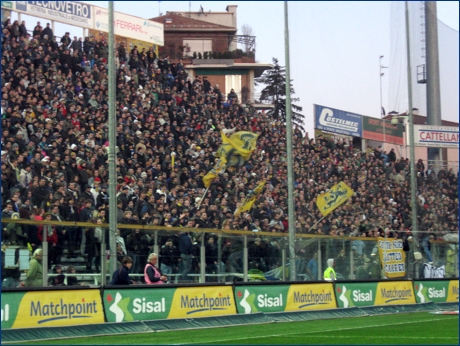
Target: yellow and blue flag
250, 199
333, 198
234, 152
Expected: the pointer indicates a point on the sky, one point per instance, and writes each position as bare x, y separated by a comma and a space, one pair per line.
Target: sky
334, 46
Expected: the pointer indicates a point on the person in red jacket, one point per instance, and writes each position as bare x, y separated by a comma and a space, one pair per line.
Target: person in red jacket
51, 238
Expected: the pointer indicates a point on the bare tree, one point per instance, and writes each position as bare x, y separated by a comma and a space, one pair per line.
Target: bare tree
246, 29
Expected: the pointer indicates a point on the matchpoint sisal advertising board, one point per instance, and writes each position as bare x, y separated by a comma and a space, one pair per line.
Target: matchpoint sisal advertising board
374, 293
126, 305
51, 308
252, 299
439, 291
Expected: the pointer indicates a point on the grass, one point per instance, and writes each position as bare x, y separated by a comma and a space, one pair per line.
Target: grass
401, 329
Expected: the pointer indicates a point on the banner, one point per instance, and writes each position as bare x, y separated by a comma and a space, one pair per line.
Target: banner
337, 121
278, 298
67, 12
163, 303
392, 257
51, 308
394, 293
432, 272
442, 291
335, 197
130, 26
435, 136
355, 294
382, 130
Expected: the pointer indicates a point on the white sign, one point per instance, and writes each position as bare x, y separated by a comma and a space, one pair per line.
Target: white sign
435, 136
130, 26
431, 272
68, 12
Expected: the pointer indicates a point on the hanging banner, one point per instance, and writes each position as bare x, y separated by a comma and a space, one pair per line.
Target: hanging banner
392, 257
435, 136
436, 291
337, 121
67, 12
382, 131
432, 272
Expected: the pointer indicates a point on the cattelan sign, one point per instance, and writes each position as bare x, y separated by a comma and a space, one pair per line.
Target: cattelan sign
435, 136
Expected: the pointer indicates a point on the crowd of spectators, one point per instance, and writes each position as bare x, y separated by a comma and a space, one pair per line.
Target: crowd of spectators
54, 157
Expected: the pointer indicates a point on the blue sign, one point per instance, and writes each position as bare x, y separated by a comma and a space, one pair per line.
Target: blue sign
337, 121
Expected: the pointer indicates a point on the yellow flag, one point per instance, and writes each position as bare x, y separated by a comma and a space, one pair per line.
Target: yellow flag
208, 178
173, 156
250, 199
334, 198
234, 152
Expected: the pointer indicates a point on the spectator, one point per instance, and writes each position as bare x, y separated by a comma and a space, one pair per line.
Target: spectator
121, 275
35, 273
153, 275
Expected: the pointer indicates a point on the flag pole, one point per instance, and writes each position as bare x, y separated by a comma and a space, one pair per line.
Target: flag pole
201, 201
317, 222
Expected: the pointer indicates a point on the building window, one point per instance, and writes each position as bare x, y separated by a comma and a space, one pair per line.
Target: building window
233, 82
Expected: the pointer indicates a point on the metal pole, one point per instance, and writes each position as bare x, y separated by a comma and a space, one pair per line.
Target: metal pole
102, 255
45, 259
202, 260
291, 210
413, 180
320, 262
433, 89
112, 145
245, 258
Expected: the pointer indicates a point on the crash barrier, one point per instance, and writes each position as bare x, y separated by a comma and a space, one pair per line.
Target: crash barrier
80, 306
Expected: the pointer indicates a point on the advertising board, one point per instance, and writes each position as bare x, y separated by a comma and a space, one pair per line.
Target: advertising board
68, 12
337, 121
51, 308
382, 130
435, 136
251, 299
442, 291
130, 26
374, 293
163, 303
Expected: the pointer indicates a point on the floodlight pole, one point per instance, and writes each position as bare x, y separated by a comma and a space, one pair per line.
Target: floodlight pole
290, 182
112, 147
413, 181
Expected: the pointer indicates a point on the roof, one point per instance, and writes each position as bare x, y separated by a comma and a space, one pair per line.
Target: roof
422, 120
177, 22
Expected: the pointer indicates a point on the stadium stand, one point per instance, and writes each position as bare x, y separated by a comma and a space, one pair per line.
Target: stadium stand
54, 160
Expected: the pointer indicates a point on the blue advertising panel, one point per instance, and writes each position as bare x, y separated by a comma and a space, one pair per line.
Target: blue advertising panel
337, 121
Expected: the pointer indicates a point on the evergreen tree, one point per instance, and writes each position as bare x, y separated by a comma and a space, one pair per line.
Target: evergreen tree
275, 92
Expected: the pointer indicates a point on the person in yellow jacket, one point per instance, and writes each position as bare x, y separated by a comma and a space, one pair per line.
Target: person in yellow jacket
329, 273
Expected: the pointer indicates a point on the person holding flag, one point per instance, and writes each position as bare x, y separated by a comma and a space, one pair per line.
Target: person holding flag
250, 199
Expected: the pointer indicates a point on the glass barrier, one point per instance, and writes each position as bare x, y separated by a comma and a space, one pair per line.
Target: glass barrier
79, 254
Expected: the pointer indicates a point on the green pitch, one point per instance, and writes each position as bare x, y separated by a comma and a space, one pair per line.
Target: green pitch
410, 328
